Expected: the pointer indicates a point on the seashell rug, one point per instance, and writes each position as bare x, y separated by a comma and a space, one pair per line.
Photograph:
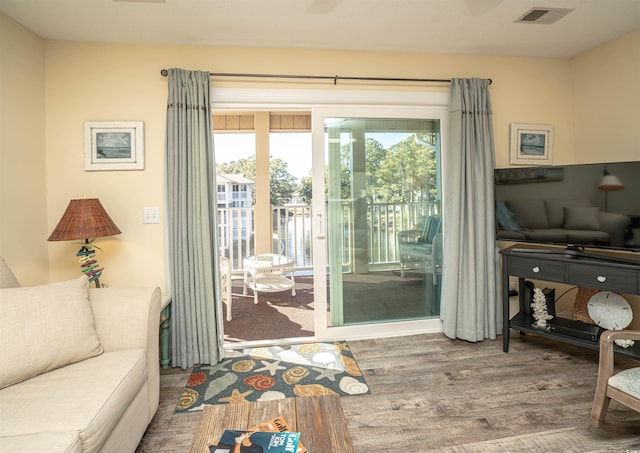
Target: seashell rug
262, 374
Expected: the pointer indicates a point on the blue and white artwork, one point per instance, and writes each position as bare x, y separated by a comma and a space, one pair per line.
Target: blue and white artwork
113, 145
532, 144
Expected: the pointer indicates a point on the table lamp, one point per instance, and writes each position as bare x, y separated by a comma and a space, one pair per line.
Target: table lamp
609, 183
85, 219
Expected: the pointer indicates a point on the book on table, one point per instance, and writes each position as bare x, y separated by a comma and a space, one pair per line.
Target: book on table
275, 425
247, 441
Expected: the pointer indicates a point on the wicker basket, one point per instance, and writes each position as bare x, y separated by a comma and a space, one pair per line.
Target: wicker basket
580, 310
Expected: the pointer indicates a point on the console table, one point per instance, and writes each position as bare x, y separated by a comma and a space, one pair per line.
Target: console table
165, 323
604, 270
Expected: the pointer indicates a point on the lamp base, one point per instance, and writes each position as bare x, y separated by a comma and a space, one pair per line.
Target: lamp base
89, 264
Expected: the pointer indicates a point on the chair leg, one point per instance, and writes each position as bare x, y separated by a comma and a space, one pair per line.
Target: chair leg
229, 301
599, 410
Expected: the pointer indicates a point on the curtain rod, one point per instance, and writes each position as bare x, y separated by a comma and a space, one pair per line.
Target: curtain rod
165, 72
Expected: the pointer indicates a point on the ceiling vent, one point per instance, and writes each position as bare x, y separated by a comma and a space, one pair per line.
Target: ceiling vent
546, 16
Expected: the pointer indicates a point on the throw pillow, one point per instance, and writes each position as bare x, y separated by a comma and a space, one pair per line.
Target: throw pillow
555, 209
7, 279
529, 213
581, 218
44, 328
506, 219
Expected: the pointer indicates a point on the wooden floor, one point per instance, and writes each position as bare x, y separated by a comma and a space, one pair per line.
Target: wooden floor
430, 393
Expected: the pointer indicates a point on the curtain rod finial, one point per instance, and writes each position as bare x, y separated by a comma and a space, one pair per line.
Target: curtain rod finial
164, 72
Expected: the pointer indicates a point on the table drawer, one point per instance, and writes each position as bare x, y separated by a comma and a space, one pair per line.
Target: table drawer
619, 280
539, 269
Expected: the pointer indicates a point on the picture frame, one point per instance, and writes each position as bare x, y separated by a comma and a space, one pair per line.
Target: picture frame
113, 145
531, 144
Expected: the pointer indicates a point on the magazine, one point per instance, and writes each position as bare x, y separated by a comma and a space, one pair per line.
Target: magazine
278, 424
238, 441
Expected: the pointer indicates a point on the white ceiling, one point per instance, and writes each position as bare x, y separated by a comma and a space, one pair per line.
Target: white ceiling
471, 27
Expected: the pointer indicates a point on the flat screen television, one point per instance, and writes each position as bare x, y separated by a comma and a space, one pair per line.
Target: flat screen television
570, 205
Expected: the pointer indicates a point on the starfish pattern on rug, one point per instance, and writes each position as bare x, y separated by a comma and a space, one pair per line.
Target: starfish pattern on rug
213, 369
272, 368
327, 373
236, 397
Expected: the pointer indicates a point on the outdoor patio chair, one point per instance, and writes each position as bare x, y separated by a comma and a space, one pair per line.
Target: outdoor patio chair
623, 386
225, 283
421, 248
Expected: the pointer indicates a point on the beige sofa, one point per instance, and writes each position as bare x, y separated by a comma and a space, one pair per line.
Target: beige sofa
80, 366
573, 221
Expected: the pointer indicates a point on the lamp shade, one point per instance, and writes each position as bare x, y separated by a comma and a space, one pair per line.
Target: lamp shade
610, 183
84, 219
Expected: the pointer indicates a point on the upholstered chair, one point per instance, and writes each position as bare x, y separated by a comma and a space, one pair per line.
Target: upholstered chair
622, 386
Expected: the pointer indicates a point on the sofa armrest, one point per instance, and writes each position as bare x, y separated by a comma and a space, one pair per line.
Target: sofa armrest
129, 318
126, 318
408, 236
615, 225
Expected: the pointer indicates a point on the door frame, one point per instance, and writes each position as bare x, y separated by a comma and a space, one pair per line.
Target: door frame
341, 100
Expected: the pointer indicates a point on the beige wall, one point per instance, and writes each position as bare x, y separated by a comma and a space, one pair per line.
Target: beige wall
102, 82
606, 99
23, 202
122, 82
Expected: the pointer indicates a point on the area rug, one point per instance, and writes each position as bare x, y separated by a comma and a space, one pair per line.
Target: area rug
262, 374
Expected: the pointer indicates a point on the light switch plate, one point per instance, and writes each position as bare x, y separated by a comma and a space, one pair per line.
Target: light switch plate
150, 215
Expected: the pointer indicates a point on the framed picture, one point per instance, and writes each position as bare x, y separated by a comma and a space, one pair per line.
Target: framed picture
113, 145
531, 144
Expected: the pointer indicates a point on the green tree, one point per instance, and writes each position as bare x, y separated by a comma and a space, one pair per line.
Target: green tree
283, 183
305, 188
408, 173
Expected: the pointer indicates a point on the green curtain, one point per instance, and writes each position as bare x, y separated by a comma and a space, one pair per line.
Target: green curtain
191, 220
472, 308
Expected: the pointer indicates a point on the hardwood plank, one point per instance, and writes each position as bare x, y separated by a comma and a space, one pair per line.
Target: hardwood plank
209, 428
322, 425
268, 410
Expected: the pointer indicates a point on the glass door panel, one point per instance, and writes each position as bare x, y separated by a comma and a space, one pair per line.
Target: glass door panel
382, 203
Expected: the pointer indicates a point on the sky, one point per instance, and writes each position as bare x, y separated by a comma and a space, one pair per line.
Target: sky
293, 148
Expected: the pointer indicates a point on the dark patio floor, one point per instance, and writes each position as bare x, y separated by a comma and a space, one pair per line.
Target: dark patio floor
367, 298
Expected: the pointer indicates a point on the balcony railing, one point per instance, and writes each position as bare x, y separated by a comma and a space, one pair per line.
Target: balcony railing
293, 232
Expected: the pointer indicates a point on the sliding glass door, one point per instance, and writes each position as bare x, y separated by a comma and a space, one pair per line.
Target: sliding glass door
377, 210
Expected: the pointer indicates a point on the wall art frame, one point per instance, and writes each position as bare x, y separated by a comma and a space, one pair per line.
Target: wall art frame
531, 144
113, 145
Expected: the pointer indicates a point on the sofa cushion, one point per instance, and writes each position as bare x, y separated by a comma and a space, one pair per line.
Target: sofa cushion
7, 279
58, 442
45, 327
89, 397
587, 237
581, 218
546, 235
555, 209
529, 213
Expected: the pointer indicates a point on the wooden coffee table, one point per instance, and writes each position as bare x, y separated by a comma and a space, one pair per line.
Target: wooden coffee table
319, 419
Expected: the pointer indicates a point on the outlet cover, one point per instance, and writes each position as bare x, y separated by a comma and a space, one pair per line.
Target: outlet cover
150, 215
